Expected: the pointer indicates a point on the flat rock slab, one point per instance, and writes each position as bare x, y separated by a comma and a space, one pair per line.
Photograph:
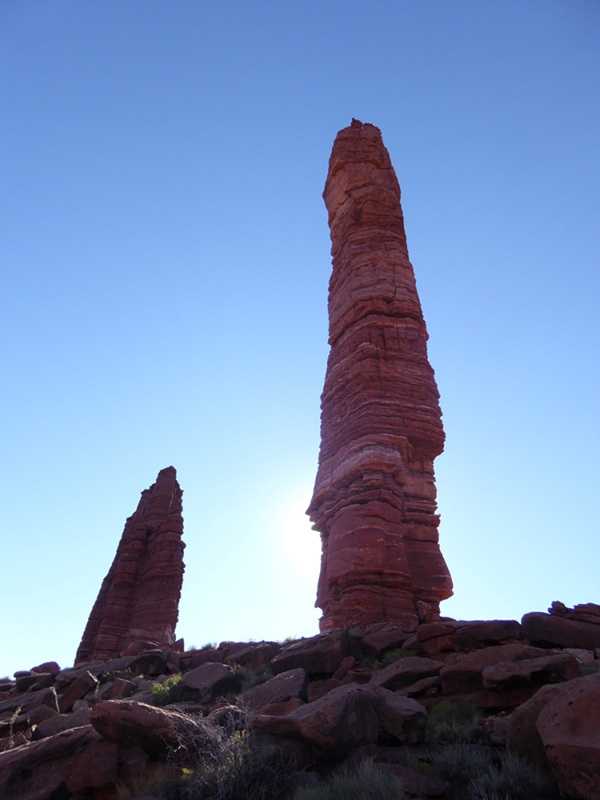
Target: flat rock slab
285, 686
319, 655
532, 671
456, 636
556, 631
210, 679
405, 671
465, 674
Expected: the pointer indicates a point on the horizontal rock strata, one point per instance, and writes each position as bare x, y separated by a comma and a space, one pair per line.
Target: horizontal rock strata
139, 598
374, 500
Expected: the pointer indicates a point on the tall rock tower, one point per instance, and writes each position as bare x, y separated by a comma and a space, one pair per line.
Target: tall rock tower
139, 598
374, 501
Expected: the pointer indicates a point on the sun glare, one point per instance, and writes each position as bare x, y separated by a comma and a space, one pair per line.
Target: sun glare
302, 545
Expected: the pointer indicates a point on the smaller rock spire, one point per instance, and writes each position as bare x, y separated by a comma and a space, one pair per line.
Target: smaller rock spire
139, 597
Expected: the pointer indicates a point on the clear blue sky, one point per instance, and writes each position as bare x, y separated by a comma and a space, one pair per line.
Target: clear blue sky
164, 267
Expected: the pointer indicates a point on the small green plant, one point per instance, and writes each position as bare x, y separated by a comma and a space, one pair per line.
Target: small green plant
452, 722
514, 778
169, 691
366, 781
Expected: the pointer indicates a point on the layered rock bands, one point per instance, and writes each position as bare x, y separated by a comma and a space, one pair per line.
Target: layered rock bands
374, 500
139, 598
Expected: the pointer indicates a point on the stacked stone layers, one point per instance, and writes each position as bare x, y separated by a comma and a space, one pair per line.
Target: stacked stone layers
139, 598
374, 500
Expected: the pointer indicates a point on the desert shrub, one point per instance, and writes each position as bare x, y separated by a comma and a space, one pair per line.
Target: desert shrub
366, 781
169, 691
451, 722
252, 676
208, 646
222, 762
394, 655
460, 763
288, 640
514, 778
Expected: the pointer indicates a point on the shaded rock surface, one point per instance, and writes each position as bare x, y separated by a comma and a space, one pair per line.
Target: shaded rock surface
139, 598
349, 694
374, 500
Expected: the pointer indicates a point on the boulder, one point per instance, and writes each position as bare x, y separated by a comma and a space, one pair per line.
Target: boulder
283, 687
50, 667
76, 690
35, 771
383, 636
253, 655
210, 679
550, 630
465, 674
317, 689
121, 688
522, 735
453, 636
150, 663
95, 767
349, 717
404, 671
132, 724
532, 671
569, 727
319, 655
62, 722
28, 701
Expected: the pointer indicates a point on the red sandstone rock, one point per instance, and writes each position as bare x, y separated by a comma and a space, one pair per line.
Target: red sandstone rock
561, 631
349, 717
139, 598
210, 679
383, 636
569, 727
465, 674
283, 687
132, 724
35, 771
532, 672
318, 655
318, 689
374, 497
406, 671
522, 735
95, 767
76, 691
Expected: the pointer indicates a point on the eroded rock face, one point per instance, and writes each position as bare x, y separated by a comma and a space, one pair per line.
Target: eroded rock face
139, 598
374, 501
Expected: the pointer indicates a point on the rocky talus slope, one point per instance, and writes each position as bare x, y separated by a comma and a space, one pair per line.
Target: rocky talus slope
379, 692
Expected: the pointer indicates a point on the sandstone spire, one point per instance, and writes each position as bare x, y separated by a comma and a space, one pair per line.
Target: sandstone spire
374, 497
139, 598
